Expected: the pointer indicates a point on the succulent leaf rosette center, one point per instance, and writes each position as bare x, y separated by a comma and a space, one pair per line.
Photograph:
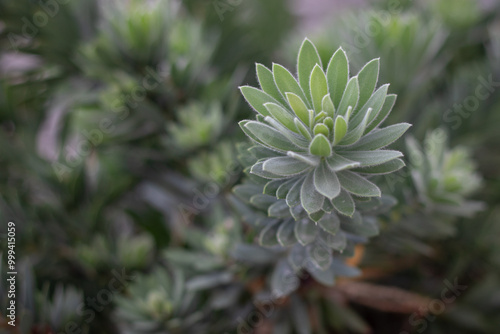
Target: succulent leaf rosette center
318, 135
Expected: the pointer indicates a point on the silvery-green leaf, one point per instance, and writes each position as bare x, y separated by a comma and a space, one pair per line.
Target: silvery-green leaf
355, 134
293, 196
375, 102
271, 187
279, 209
370, 158
340, 129
327, 106
325, 277
383, 113
267, 236
209, 281
246, 191
344, 203
261, 152
302, 129
268, 136
308, 58
327, 206
293, 137
320, 146
285, 166
262, 201
368, 227
297, 212
315, 216
350, 97
337, 163
337, 75
326, 181
286, 233
330, 223
309, 159
310, 199
267, 84
286, 83
258, 170
368, 77
357, 185
257, 98
337, 241
381, 137
299, 316
299, 107
319, 87
297, 257
320, 255
321, 128
281, 115
285, 187
284, 280
305, 231
385, 168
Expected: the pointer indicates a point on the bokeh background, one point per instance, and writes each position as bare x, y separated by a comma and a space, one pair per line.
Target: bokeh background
118, 153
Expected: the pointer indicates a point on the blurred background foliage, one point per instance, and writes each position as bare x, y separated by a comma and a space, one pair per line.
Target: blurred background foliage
118, 133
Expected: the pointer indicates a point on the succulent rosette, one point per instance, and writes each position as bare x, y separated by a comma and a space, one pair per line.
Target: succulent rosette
318, 137
316, 142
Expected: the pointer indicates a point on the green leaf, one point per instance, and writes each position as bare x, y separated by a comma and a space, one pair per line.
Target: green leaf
271, 187
371, 158
299, 107
385, 168
381, 137
268, 136
309, 159
258, 170
321, 128
267, 84
279, 209
299, 316
308, 58
319, 87
350, 97
327, 106
389, 102
325, 277
375, 102
282, 282
368, 77
305, 231
281, 115
320, 146
344, 203
286, 233
293, 196
336, 241
257, 98
302, 129
285, 166
286, 82
340, 129
293, 137
246, 191
262, 201
337, 75
330, 223
267, 236
326, 181
357, 185
337, 163
355, 134
320, 255
285, 187
310, 198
